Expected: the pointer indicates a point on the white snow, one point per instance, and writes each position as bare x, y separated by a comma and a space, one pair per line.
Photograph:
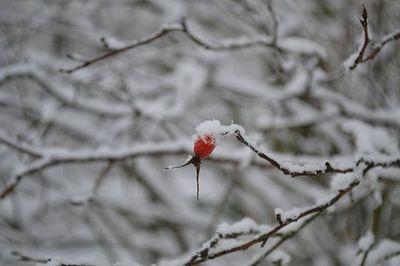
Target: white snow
370, 139
137, 112
324, 199
350, 60
280, 257
216, 129
342, 181
366, 241
244, 225
291, 214
302, 46
384, 248
120, 263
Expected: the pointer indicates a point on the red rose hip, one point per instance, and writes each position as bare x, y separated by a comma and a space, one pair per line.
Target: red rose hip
204, 145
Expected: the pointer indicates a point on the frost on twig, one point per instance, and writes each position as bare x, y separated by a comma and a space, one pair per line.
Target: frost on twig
81, 155
207, 252
292, 44
361, 55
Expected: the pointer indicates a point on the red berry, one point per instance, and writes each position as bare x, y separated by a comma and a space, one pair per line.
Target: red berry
204, 145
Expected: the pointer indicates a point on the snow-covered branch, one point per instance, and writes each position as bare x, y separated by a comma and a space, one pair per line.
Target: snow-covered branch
18, 146
50, 158
303, 169
45, 261
63, 92
82, 155
286, 44
207, 252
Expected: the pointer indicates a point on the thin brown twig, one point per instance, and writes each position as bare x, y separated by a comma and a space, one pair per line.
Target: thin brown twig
19, 147
177, 27
328, 167
395, 35
152, 37
204, 255
361, 52
51, 160
27, 258
283, 239
153, 149
362, 56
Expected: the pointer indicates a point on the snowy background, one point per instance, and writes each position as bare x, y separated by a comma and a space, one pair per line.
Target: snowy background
82, 154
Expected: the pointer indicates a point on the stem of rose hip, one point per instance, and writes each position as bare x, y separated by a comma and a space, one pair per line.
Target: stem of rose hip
196, 161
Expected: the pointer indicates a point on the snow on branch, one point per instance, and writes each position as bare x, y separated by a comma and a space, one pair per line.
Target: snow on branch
374, 251
45, 261
294, 169
289, 234
383, 116
174, 27
18, 146
360, 56
296, 45
54, 157
312, 169
209, 250
61, 91
393, 36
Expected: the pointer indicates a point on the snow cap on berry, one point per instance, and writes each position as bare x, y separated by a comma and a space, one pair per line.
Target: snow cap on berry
215, 129
208, 133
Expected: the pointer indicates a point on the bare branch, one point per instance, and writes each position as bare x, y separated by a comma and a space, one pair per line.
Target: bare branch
395, 35
363, 48
362, 57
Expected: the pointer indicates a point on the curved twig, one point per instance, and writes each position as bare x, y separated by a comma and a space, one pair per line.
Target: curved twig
177, 27
362, 57
205, 254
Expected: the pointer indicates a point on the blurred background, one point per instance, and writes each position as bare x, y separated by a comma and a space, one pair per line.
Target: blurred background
292, 99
